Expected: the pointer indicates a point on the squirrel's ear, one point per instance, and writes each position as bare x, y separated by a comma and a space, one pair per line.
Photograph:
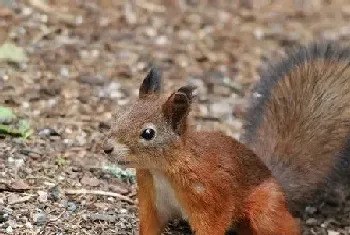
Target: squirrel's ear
151, 84
188, 91
177, 107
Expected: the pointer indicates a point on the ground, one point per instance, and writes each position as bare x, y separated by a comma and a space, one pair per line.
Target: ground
85, 59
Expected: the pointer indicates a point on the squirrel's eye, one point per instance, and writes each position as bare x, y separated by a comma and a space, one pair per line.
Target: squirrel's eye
148, 134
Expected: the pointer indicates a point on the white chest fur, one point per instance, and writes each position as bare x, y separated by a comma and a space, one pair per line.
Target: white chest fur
167, 204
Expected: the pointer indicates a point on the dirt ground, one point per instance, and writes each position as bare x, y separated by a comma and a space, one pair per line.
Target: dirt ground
85, 59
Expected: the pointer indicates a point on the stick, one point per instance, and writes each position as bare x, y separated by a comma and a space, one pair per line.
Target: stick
99, 192
47, 9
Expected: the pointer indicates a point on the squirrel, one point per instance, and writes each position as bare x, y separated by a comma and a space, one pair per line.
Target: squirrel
295, 134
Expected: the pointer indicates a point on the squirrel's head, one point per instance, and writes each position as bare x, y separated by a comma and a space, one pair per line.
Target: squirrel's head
150, 129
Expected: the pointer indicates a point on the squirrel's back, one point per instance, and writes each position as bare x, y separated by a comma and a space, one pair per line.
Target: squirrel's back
298, 121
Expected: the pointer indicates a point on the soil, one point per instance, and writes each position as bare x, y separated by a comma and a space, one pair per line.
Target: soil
85, 60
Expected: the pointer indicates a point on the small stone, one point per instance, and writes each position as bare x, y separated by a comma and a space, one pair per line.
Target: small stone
123, 211
12, 223
103, 217
112, 90
92, 80
90, 181
15, 199
71, 206
48, 132
28, 225
311, 221
111, 199
258, 33
64, 72
310, 210
9, 229
162, 40
42, 196
15, 162
118, 189
54, 193
19, 185
101, 205
4, 216
222, 90
219, 109
39, 218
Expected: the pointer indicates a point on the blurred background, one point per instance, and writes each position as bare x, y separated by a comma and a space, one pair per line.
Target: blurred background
66, 66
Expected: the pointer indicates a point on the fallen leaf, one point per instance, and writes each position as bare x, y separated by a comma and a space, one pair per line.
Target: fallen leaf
10, 125
129, 174
9, 52
60, 161
6, 115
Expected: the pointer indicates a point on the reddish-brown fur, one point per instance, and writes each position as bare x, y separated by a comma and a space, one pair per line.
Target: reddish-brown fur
238, 188
209, 178
149, 222
299, 124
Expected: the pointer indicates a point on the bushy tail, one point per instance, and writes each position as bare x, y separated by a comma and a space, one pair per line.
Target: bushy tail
298, 121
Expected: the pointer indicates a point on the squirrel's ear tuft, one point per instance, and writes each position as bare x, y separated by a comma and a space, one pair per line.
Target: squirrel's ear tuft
152, 83
176, 109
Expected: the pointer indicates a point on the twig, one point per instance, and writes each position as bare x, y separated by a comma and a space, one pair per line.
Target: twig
151, 6
99, 192
43, 7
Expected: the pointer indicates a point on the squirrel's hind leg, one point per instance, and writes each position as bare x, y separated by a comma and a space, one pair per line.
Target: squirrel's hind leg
267, 212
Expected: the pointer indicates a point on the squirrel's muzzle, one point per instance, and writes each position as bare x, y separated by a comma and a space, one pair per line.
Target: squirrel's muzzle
117, 149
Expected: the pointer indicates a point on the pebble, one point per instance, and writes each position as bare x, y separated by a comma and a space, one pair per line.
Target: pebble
48, 132
310, 210
4, 216
330, 232
118, 189
42, 196
112, 90
123, 211
15, 162
71, 206
28, 225
15, 199
90, 181
12, 223
64, 72
220, 108
311, 221
39, 218
19, 185
54, 193
92, 80
102, 217
9, 229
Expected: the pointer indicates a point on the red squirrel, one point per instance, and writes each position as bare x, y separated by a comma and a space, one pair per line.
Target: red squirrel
295, 136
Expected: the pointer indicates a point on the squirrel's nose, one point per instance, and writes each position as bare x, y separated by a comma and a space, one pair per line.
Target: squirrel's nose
108, 148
